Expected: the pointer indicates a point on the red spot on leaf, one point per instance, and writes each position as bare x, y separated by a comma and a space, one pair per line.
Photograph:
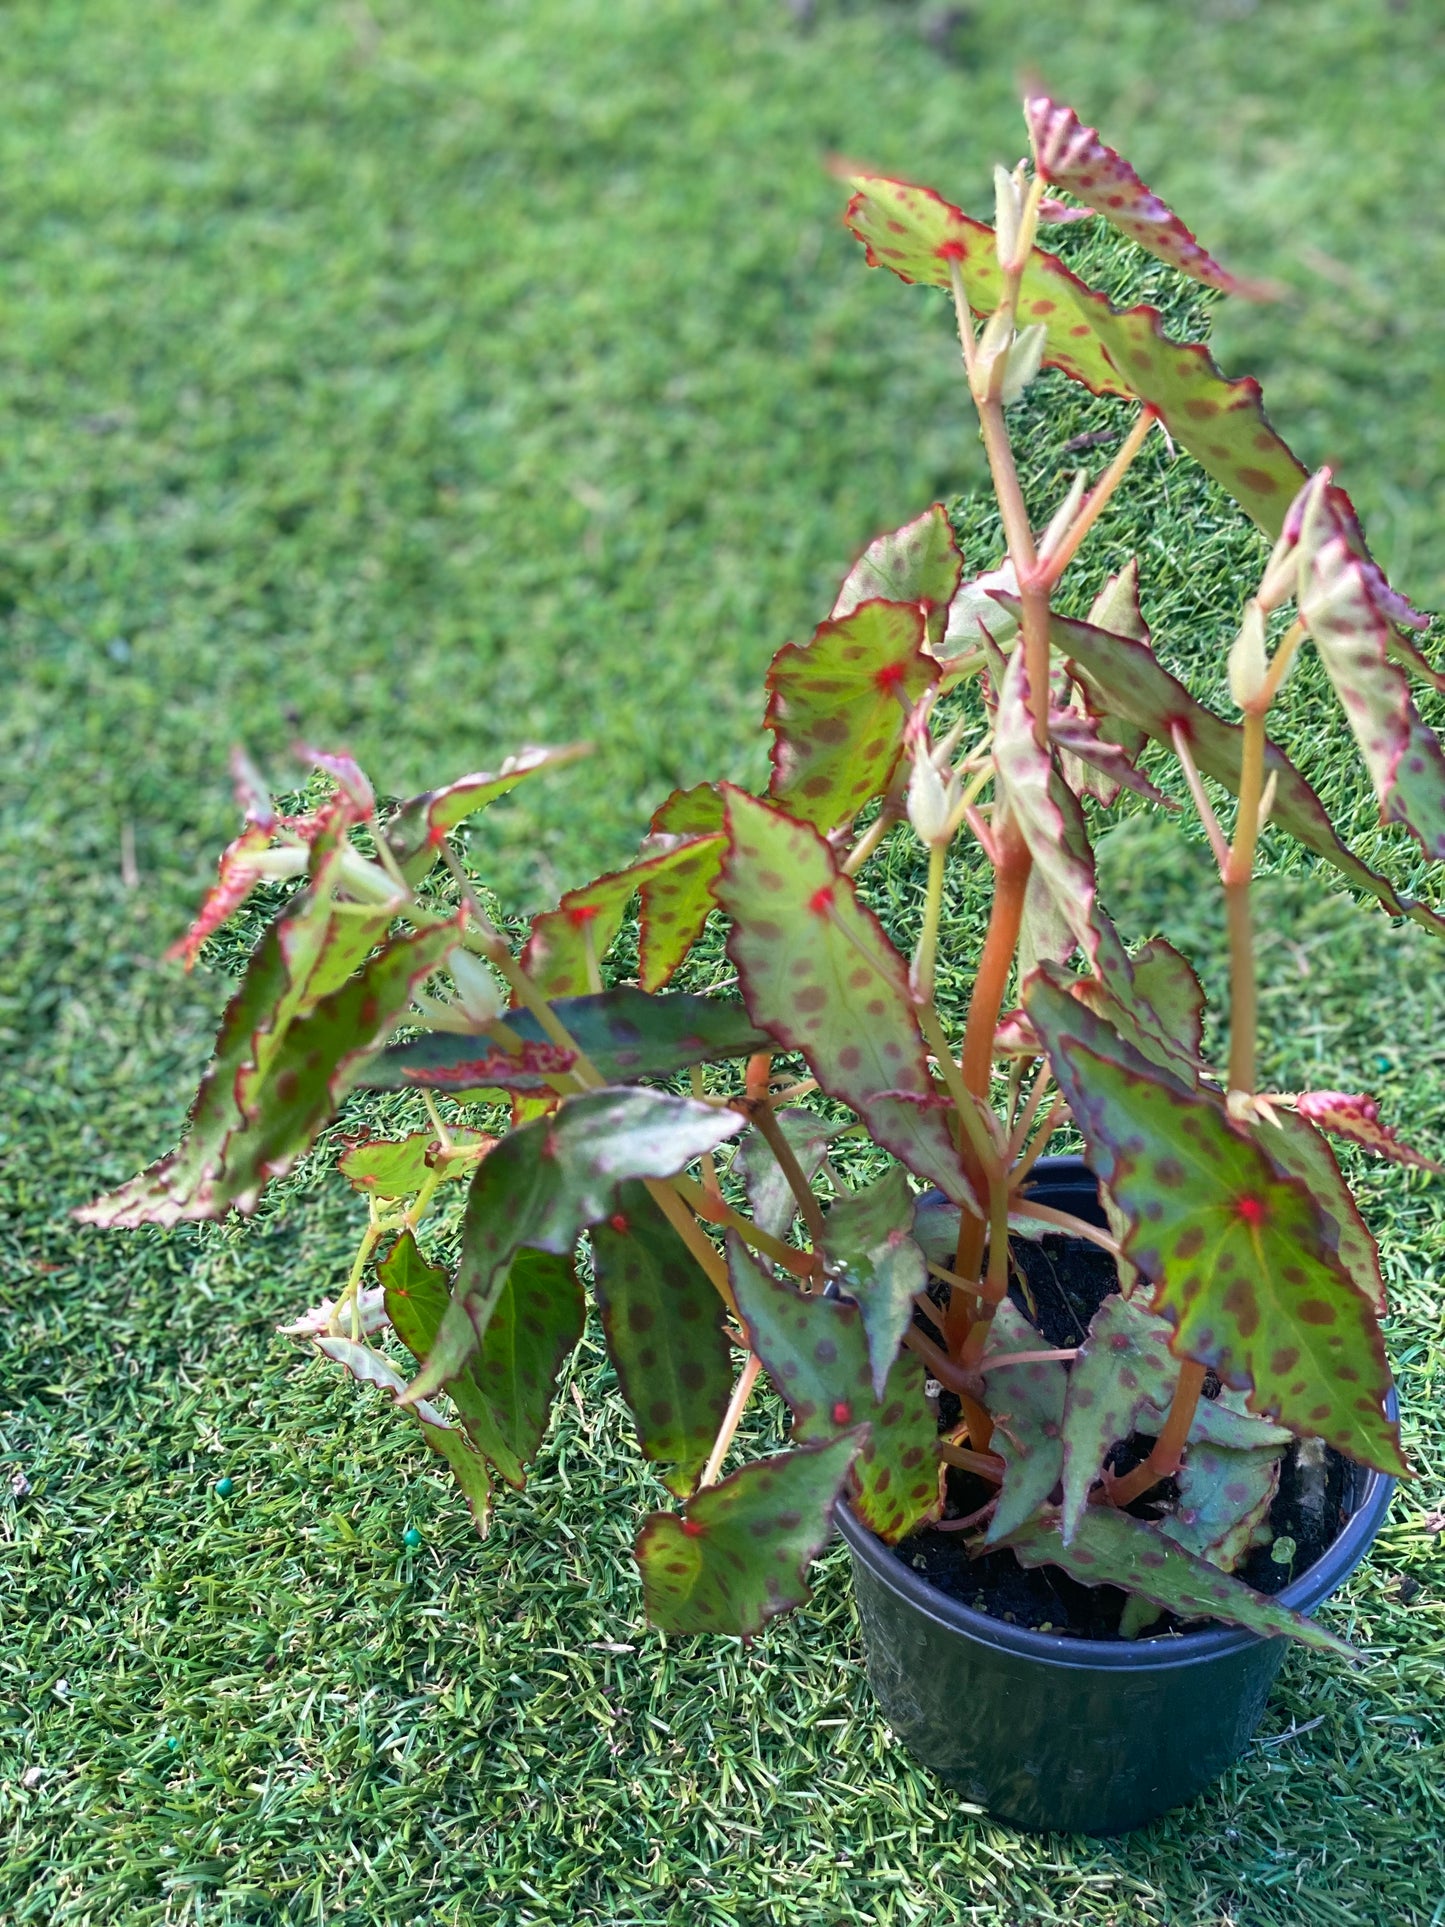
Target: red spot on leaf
889, 676
821, 901
842, 1412
1251, 1210
619, 1224
692, 1528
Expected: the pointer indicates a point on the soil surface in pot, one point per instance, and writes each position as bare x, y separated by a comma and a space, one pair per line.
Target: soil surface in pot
1069, 1279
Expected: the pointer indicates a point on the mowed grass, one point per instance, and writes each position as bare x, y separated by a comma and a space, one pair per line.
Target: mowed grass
436, 379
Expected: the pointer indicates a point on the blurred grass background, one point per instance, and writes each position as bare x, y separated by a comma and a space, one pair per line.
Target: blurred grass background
431, 379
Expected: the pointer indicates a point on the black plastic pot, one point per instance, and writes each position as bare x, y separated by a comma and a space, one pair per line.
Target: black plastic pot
1067, 1734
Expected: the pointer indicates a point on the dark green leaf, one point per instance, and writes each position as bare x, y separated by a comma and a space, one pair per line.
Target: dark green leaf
1224, 1502
1026, 1403
770, 1196
869, 1248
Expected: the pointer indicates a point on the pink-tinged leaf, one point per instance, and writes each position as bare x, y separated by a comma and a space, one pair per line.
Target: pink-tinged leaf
1131, 682
819, 974
236, 878
565, 950
738, 1555
503, 1392
1298, 1148
665, 1333
1244, 1262
399, 1167
1118, 1003
253, 799
350, 778
815, 1350
1074, 158
838, 706
1026, 1403
1093, 766
1224, 1502
419, 827
1124, 1370
1222, 423
473, 1063
871, 1255
1016, 1036
1353, 637
919, 563
1054, 213
1048, 816
1357, 1117
468, 1467
1113, 1549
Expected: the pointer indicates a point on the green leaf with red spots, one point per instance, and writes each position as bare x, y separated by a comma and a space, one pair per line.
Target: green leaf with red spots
626, 1033
1357, 1118
1224, 1502
819, 974
1164, 1026
815, 1350
546, 1181
1074, 158
399, 1167
870, 1252
1129, 680
1222, 423
739, 1553
1026, 1404
1113, 1549
838, 705
564, 953
664, 1326
419, 826
919, 564
468, 1467
770, 1195
1297, 1147
1123, 1370
503, 1392
1243, 1261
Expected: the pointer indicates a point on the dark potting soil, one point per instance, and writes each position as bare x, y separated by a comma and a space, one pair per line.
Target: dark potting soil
1068, 1279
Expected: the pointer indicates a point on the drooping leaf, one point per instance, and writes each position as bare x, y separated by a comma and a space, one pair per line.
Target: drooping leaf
1165, 983
420, 826
468, 1467
1167, 1039
503, 1392
770, 1196
626, 1033
399, 1167
1243, 1261
869, 1249
739, 1553
1074, 158
236, 878
664, 1326
1297, 1147
1130, 680
919, 563
815, 1351
1224, 1502
548, 1180
567, 944
1357, 1117
1026, 1403
1124, 1367
1113, 1549
1222, 423
838, 705
819, 974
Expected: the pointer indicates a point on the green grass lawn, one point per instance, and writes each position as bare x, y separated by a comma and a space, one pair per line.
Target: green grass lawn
441, 377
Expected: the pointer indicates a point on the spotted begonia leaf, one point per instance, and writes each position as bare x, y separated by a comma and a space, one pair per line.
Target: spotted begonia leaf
547, 1180
1113, 1549
504, 1391
739, 1553
399, 1167
567, 945
1168, 1038
420, 825
1074, 158
468, 1467
1123, 1368
1222, 423
1026, 1403
1338, 606
1357, 1117
918, 563
838, 705
819, 974
236, 878
770, 1196
869, 1249
664, 1326
1224, 1502
1297, 1147
815, 1350
280, 1072
626, 1033
1129, 679
1048, 816
1243, 1261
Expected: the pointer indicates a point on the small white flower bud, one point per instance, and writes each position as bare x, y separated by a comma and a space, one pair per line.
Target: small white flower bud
929, 808
478, 989
1024, 359
1008, 201
1249, 660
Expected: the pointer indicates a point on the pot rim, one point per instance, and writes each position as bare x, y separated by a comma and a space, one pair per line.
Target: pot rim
1314, 1585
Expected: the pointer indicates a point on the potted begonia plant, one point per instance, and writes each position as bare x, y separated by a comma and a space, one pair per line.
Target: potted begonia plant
1058, 1406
